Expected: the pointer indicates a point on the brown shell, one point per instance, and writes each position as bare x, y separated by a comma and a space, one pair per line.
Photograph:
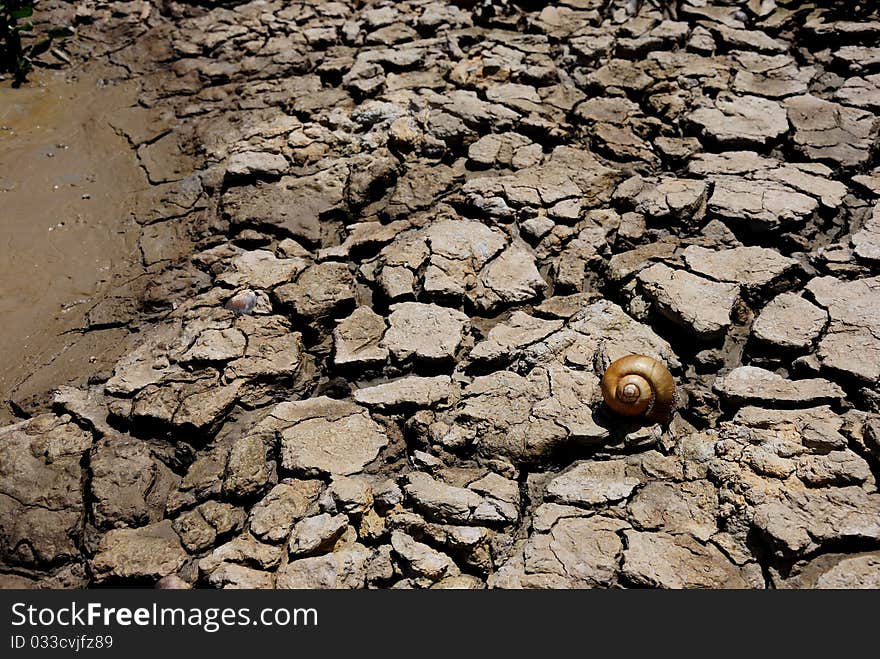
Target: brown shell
638, 385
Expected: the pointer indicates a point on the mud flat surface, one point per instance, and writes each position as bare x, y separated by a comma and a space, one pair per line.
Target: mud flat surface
68, 186
440, 221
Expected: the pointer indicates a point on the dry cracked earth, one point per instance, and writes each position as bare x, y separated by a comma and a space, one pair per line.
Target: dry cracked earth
449, 214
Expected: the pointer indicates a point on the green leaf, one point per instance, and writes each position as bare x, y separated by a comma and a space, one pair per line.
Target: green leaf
24, 27
24, 12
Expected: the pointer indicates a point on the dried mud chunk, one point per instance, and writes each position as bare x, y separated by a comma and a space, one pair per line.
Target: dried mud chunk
698, 305
420, 559
369, 176
510, 150
598, 327
199, 404
147, 364
324, 436
677, 149
351, 495
604, 325
460, 582
662, 560
293, 206
861, 92
664, 198
767, 208
232, 576
789, 321
261, 269
837, 572
461, 259
591, 484
748, 39
357, 339
475, 112
216, 345
741, 121
612, 110
345, 568
255, 164
203, 479
837, 468
577, 552
859, 57
799, 523
501, 493
817, 428
418, 188
129, 486
567, 173
511, 278
41, 505
440, 501
774, 76
519, 331
174, 283
866, 241
87, 406
690, 507
147, 553
241, 550
424, 331
851, 344
622, 143
409, 391
621, 73
808, 178
199, 528
321, 290
274, 515
624, 264
754, 268
757, 385
525, 419
249, 468
316, 535
273, 349
829, 131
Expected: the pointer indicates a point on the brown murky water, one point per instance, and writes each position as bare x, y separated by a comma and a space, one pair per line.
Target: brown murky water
68, 183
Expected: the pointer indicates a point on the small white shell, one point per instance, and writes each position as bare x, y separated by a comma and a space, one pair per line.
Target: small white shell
242, 303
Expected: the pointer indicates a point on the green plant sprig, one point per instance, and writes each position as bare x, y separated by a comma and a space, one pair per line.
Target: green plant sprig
15, 57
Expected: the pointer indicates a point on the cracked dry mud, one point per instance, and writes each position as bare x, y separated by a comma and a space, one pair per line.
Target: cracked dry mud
449, 212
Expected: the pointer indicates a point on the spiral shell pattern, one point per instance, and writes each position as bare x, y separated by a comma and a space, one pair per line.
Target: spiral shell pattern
638, 385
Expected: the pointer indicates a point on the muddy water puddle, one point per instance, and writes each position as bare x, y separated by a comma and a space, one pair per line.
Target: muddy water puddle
68, 185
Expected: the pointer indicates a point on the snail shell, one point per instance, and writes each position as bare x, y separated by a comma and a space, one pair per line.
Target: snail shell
638, 385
